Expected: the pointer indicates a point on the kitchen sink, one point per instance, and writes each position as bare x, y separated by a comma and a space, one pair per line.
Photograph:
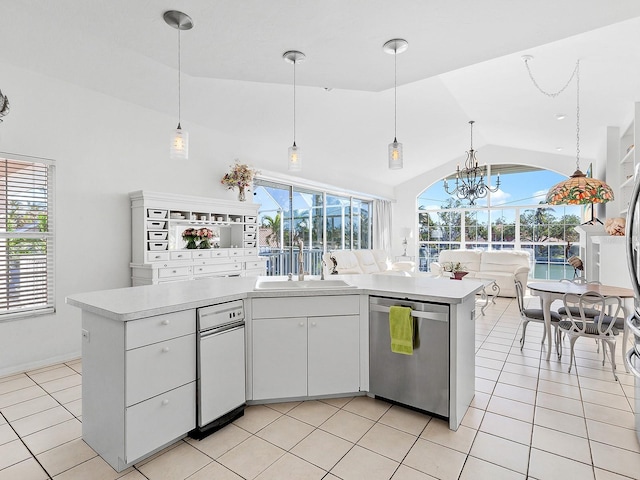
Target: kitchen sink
301, 285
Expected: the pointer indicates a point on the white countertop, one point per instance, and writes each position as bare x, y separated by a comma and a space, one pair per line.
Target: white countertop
132, 303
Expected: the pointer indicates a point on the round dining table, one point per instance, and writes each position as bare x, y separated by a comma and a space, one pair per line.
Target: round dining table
553, 290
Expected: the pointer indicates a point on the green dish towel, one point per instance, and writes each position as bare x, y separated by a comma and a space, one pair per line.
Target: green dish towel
401, 330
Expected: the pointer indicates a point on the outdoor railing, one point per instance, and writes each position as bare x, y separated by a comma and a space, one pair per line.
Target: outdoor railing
279, 261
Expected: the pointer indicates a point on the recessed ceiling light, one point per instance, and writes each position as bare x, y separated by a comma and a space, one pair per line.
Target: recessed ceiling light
559, 149
561, 116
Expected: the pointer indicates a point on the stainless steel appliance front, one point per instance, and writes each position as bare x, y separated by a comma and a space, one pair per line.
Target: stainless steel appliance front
420, 380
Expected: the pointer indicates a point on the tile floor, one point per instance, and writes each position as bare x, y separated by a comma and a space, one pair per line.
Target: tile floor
529, 419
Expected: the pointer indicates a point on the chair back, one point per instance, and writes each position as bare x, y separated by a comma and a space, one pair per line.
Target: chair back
520, 296
580, 281
592, 300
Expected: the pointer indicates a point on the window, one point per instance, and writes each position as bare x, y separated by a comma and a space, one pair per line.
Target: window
26, 236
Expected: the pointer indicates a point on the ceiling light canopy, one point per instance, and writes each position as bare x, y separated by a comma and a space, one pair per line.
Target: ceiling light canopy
470, 179
578, 189
294, 159
395, 47
179, 148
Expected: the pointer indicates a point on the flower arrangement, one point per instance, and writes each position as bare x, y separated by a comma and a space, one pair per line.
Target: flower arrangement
190, 235
453, 267
241, 176
205, 235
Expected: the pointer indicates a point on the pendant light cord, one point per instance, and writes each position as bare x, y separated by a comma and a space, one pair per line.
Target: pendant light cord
294, 102
179, 85
395, 95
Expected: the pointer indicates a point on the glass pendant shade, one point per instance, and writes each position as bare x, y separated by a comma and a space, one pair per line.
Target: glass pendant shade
579, 189
179, 144
395, 155
295, 162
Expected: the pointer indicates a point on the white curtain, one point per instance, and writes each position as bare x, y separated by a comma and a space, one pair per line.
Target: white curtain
382, 225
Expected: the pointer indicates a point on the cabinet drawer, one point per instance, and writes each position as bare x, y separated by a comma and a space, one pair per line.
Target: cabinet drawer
250, 228
200, 254
180, 255
223, 267
171, 272
249, 219
162, 366
249, 236
236, 252
157, 256
158, 246
251, 252
155, 225
159, 420
254, 265
157, 235
306, 306
219, 253
250, 244
158, 328
151, 213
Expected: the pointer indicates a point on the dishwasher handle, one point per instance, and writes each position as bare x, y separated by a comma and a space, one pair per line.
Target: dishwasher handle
437, 316
221, 329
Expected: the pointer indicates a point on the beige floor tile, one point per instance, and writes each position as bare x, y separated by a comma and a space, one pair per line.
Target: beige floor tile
77, 367
485, 386
94, 469
519, 380
560, 404
612, 416
408, 473
507, 427
388, 441
485, 353
408, 421
347, 425
41, 420
480, 400
520, 394
511, 408
283, 407
337, 402
28, 469
16, 384
563, 422
562, 389
285, 432
53, 374
520, 359
438, 432
313, 412
508, 454
74, 408
435, 460
7, 434
368, 407
606, 475
29, 407
8, 378
549, 440
68, 394
62, 383
45, 368
489, 363
560, 377
290, 466
177, 463
251, 457
220, 442
613, 435
256, 417
214, 471
601, 385
473, 418
17, 396
543, 465
13, 452
322, 449
487, 373
606, 399
360, 463
475, 469
54, 436
497, 345
66, 456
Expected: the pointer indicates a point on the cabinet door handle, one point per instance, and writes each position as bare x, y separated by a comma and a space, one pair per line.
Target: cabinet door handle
165, 350
165, 402
165, 322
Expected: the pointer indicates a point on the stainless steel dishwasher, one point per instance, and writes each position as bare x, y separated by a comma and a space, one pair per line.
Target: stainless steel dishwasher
420, 380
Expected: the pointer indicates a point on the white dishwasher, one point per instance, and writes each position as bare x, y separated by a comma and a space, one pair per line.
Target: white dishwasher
220, 383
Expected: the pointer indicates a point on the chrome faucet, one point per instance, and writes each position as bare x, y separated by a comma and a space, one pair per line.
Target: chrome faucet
300, 261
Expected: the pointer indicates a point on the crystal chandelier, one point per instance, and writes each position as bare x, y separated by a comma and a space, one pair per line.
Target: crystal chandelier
470, 179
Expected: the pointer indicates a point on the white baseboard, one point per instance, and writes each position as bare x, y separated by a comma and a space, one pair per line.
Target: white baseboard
13, 369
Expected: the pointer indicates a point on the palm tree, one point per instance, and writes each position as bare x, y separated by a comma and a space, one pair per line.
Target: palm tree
274, 224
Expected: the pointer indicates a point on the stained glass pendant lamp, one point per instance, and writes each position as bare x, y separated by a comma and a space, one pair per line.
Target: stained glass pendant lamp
395, 47
295, 161
179, 147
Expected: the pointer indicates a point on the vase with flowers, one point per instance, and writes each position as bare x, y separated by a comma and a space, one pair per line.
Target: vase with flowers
190, 235
205, 235
455, 269
240, 176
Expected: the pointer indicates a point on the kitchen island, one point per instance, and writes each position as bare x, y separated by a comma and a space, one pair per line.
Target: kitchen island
139, 350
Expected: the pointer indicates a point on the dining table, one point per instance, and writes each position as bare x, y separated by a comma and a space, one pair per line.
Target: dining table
550, 291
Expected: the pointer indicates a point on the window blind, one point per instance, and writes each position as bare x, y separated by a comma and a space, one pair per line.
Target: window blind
26, 236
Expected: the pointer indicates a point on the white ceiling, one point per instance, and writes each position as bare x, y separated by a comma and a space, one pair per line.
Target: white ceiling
463, 63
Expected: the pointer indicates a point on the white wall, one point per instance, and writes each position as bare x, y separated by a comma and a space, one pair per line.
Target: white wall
405, 208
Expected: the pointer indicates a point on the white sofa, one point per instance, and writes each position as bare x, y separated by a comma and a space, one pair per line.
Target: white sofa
363, 261
503, 266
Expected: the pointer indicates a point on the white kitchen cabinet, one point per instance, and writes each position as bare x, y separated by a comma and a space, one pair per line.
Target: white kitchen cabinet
138, 388
321, 355
158, 252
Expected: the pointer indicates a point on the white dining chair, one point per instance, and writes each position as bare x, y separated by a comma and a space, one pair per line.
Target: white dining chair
535, 315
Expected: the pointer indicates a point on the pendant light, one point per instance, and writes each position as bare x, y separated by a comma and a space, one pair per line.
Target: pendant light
179, 149
578, 189
395, 47
295, 162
